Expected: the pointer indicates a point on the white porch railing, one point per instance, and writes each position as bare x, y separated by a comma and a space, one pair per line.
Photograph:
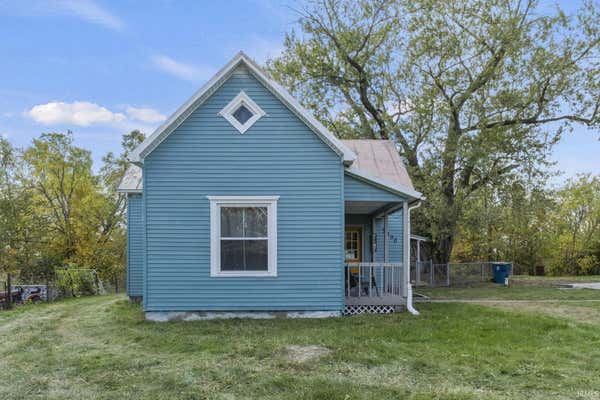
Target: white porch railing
374, 283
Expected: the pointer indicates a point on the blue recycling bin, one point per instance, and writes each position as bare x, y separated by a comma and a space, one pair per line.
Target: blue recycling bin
500, 271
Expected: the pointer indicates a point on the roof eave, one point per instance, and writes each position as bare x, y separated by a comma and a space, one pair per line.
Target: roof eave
130, 191
395, 188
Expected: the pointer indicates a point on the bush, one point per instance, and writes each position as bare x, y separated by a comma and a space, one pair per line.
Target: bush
74, 282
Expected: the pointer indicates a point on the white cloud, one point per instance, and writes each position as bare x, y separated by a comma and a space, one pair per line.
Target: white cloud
145, 114
80, 113
84, 113
187, 72
90, 11
87, 10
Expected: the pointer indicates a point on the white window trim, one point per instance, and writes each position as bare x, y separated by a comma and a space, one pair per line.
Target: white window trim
216, 202
242, 99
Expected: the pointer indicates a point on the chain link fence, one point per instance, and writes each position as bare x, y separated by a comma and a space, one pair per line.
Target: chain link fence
426, 273
61, 283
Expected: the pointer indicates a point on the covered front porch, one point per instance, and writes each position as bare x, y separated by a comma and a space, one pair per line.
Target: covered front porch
374, 250
378, 197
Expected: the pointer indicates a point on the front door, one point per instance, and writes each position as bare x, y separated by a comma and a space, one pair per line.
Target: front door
353, 244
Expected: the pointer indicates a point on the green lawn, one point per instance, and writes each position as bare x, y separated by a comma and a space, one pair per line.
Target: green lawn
551, 280
100, 347
520, 288
576, 311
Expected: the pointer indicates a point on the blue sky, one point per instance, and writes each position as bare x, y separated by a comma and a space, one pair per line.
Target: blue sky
102, 68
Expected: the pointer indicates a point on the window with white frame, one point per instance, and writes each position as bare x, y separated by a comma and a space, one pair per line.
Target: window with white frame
242, 112
243, 235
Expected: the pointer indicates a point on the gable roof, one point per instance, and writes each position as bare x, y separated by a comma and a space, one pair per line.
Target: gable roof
374, 161
380, 158
162, 132
378, 163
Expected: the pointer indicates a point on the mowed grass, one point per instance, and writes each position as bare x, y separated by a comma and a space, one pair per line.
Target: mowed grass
101, 348
577, 311
524, 280
520, 288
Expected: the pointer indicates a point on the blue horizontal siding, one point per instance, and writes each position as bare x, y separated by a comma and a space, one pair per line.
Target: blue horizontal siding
395, 231
379, 236
395, 234
357, 190
135, 245
278, 155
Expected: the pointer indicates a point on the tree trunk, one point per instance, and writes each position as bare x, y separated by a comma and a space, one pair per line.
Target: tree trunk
444, 249
448, 217
489, 249
9, 300
445, 238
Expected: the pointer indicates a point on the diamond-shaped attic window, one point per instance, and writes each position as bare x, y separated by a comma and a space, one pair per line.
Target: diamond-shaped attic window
242, 112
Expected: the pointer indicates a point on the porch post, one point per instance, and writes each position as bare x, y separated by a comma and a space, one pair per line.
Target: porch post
373, 240
386, 235
418, 264
406, 249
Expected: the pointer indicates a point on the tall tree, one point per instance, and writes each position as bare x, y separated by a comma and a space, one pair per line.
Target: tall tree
576, 225
83, 211
111, 173
464, 87
16, 239
513, 221
60, 174
109, 251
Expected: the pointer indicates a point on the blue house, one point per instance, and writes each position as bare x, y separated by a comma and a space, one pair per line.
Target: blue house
243, 204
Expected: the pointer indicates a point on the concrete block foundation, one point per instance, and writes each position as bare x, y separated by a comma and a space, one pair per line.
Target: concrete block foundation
166, 316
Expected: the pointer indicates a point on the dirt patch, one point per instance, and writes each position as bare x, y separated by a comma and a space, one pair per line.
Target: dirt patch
301, 354
579, 312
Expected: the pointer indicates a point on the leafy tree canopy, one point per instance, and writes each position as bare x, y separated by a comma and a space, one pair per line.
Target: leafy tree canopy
466, 88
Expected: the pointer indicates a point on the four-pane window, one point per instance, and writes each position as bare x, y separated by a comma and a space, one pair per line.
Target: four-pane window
244, 239
243, 235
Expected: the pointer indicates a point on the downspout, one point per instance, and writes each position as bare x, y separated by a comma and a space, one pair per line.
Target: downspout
409, 296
